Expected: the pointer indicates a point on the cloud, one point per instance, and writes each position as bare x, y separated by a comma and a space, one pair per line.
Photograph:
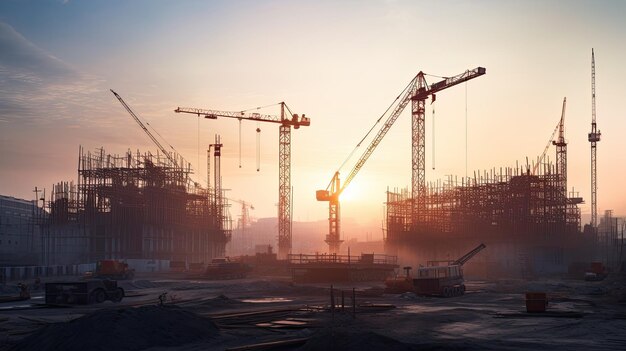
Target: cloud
37, 87
19, 55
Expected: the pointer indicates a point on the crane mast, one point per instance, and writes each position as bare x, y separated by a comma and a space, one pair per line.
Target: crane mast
561, 164
418, 137
594, 138
286, 121
416, 92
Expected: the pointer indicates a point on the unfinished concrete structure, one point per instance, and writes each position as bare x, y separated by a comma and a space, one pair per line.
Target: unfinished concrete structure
135, 206
527, 220
19, 231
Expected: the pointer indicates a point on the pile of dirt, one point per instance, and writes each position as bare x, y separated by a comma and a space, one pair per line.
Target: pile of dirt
125, 329
220, 301
350, 339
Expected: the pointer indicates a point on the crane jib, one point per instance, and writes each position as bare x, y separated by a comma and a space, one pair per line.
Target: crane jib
423, 93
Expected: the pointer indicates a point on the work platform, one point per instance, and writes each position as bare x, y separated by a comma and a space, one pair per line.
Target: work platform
332, 268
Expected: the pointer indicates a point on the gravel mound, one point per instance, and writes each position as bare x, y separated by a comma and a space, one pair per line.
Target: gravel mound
125, 329
344, 339
220, 301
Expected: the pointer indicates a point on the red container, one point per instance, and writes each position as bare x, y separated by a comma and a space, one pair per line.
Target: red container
536, 302
598, 268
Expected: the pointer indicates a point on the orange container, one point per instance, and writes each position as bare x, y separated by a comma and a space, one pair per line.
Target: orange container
536, 302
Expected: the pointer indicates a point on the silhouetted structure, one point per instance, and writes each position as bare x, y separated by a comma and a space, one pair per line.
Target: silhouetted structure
529, 223
135, 206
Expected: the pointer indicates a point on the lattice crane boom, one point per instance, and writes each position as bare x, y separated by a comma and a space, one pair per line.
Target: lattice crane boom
145, 129
559, 141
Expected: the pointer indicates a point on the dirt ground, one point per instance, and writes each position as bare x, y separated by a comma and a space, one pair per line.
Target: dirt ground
232, 314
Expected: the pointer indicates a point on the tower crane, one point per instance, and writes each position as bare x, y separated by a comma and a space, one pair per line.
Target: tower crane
245, 213
286, 120
594, 138
417, 91
244, 222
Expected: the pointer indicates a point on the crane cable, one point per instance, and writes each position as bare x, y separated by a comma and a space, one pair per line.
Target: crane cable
239, 142
260, 107
258, 134
198, 143
433, 147
258, 146
465, 129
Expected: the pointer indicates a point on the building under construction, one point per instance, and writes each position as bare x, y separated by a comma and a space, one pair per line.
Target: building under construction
527, 220
524, 215
134, 206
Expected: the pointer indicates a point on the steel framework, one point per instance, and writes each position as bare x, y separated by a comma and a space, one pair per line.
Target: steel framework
136, 206
510, 201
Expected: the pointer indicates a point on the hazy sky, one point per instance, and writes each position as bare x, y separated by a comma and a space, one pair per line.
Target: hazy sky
339, 62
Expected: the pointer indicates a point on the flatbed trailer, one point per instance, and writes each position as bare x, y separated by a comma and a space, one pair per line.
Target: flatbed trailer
83, 292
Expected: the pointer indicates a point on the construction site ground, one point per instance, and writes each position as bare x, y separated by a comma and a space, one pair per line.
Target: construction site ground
235, 314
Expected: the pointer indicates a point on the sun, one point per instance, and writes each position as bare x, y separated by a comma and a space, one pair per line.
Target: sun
351, 193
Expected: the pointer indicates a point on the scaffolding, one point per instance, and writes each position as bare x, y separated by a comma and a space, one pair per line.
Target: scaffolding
510, 201
528, 220
136, 206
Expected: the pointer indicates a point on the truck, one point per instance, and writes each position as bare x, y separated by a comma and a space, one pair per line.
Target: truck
113, 269
224, 268
83, 292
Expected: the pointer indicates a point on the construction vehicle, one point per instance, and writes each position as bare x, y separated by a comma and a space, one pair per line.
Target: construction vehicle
224, 268
416, 92
445, 280
113, 269
11, 293
83, 292
439, 280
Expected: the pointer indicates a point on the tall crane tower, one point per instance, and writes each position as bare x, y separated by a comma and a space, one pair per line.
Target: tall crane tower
594, 138
417, 91
286, 120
